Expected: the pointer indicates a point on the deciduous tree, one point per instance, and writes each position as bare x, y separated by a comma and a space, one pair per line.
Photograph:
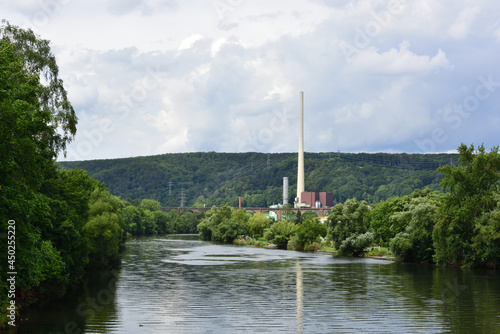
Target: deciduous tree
472, 185
309, 231
257, 224
414, 244
280, 233
348, 226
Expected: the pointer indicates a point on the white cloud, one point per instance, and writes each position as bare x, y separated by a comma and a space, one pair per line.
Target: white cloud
397, 61
190, 41
179, 76
461, 27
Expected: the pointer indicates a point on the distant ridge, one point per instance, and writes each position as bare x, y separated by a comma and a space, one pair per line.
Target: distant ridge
210, 178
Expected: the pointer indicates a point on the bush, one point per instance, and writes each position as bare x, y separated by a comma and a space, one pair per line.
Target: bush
311, 230
280, 233
257, 224
356, 244
314, 247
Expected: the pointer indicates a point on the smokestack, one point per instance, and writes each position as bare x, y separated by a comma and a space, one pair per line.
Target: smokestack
300, 171
285, 190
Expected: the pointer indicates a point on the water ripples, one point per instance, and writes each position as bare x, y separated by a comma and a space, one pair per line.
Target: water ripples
179, 285
204, 287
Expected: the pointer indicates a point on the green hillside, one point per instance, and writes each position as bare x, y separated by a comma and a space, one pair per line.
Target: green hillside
220, 178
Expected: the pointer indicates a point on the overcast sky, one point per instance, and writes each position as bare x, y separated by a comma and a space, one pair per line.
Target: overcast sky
150, 77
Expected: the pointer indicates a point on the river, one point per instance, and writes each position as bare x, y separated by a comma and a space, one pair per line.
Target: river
178, 284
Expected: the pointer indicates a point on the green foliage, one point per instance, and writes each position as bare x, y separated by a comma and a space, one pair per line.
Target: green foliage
414, 244
380, 218
205, 228
132, 217
355, 244
286, 213
103, 229
146, 218
382, 221
308, 232
280, 233
257, 224
58, 220
149, 223
230, 229
298, 218
190, 221
224, 224
27, 149
472, 186
486, 240
23, 148
460, 227
162, 222
53, 271
348, 225
38, 61
150, 204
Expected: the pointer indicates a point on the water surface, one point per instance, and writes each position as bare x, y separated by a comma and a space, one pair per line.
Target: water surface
178, 284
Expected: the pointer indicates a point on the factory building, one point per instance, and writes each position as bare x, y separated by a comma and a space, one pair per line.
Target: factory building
317, 199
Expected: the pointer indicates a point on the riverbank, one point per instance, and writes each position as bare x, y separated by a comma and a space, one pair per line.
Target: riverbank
381, 253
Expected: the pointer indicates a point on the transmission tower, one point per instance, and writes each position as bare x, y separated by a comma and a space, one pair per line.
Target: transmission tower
170, 184
183, 198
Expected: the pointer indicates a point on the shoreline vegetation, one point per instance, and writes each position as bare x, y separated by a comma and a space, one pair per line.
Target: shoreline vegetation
379, 253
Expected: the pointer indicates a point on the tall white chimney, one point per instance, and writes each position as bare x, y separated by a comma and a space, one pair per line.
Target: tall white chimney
300, 170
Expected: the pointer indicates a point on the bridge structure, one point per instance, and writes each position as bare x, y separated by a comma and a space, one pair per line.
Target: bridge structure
320, 212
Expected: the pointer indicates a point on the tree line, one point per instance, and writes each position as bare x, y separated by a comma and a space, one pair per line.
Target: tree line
64, 222
226, 224
457, 226
146, 218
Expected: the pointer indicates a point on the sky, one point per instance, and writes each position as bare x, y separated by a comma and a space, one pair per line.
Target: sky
149, 77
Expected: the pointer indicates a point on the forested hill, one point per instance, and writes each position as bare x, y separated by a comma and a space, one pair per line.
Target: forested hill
198, 179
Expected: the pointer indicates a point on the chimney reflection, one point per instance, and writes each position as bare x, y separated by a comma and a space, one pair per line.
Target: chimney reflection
300, 315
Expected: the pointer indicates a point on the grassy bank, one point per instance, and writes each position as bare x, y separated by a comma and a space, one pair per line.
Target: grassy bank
376, 253
259, 242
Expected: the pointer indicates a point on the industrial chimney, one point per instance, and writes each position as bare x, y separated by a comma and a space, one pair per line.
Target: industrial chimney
300, 171
285, 190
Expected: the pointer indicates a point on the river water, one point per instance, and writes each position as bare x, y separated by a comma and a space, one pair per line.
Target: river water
178, 284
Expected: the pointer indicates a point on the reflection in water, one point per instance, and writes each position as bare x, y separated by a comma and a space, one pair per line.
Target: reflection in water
300, 328
169, 285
